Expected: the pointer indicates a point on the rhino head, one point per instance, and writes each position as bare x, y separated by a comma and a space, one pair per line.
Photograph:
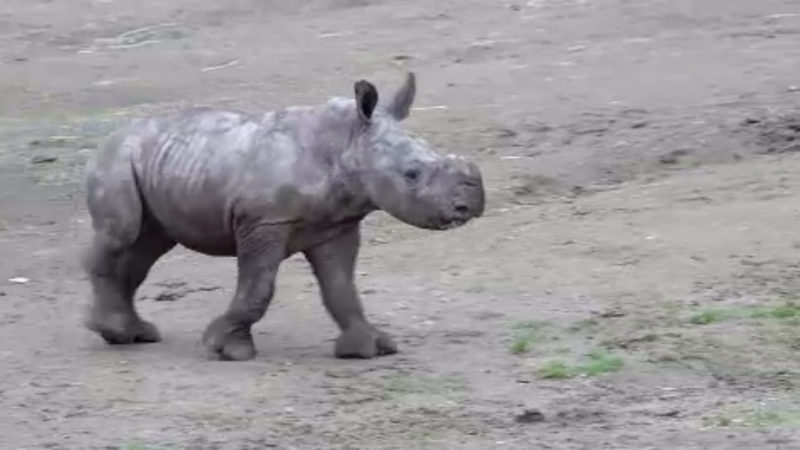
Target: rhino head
401, 174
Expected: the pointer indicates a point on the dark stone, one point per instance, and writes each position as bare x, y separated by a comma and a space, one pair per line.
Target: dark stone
530, 416
41, 159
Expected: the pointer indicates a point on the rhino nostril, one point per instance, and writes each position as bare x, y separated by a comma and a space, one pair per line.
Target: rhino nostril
461, 208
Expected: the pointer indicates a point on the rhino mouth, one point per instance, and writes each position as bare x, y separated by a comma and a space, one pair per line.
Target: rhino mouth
448, 223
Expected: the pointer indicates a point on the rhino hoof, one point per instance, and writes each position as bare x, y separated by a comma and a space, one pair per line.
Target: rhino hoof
121, 329
226, 343
364, 342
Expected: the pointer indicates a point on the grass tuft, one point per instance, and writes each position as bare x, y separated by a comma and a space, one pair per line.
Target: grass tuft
138, 446
556, 370
524, 337
596, 362
706, 317
600, 362
787, 311
760, 417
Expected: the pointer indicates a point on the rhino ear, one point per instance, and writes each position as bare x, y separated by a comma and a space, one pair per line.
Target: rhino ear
400, 105
366, 99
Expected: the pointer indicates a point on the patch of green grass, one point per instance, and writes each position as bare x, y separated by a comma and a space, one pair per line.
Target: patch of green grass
521, 345
556, 370
524, 337
787, 311
718, 421
600, 362
706, 317
402, 385
138, 446
405, 384
760, 417
596, 362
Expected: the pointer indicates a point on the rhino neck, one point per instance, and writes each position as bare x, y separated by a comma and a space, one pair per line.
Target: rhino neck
335, 142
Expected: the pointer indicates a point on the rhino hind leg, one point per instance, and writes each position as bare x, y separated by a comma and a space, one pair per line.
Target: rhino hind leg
125, 245
116, 272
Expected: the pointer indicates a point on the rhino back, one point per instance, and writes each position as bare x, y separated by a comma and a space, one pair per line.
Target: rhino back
188, 169
201, 171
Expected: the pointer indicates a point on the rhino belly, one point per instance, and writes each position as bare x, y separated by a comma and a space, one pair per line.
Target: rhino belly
196, 220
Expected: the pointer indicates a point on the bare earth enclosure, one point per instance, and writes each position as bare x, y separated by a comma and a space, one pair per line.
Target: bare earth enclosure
633, 284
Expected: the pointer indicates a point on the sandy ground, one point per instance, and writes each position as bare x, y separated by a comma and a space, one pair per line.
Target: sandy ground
633, 284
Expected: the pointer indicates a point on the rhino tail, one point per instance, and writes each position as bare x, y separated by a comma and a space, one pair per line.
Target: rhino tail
112, 191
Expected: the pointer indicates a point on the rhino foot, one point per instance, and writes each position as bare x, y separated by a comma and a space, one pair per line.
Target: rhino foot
364, 341
228, 342
120, 329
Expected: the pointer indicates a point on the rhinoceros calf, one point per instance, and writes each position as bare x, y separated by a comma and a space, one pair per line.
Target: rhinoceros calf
262, 188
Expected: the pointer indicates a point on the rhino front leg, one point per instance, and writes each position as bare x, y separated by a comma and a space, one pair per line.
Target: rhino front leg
333, 264
260, 251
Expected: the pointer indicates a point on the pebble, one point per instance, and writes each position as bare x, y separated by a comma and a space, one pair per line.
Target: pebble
41, 159
530, 416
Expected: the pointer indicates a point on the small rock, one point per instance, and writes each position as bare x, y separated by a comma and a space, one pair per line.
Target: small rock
612, 314
401, 57
794, 89
506, 133
598, 131
49, 142
670, 413
640, 124
41, 159
19, 280
673, 156
344, 373
20, 59
530, 416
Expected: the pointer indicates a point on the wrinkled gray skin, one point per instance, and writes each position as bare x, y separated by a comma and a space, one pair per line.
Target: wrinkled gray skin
262, 188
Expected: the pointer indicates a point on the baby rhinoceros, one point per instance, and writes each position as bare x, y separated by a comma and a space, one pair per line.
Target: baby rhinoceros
262, 188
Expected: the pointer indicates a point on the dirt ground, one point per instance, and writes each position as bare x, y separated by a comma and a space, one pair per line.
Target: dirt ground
633, 285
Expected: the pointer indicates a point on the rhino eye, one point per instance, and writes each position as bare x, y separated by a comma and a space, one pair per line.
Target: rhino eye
411, 174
